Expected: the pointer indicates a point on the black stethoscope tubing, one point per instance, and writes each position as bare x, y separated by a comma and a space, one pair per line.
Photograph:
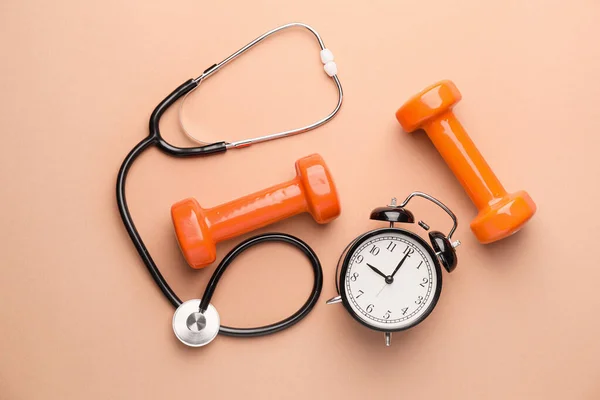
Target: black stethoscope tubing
287, 322
155, 138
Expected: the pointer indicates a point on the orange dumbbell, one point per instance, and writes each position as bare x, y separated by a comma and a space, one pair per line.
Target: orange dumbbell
500, 213
198, 230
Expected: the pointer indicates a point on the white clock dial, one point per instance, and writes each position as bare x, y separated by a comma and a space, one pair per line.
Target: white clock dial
391, 281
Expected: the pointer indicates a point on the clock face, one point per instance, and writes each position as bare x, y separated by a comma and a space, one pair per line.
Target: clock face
390, 280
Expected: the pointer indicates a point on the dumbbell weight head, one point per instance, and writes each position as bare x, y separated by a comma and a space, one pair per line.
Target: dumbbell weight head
503, 218
431, 102
320, 192
193, 233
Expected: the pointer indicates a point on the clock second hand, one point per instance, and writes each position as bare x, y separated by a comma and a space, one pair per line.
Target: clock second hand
381, 290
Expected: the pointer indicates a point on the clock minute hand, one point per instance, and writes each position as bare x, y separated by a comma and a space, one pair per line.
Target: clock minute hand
399, 265
376, 270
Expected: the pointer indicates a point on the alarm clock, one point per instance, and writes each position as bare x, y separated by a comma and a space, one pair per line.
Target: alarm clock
390, 279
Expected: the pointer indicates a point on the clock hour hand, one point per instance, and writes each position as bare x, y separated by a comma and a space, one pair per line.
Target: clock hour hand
399, 265
377, 271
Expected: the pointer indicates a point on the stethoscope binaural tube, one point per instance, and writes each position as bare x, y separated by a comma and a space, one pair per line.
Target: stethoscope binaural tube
155, 139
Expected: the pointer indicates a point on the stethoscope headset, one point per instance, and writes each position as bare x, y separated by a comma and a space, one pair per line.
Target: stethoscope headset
196, 322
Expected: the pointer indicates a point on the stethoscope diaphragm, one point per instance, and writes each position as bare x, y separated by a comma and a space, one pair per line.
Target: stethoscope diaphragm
194, 328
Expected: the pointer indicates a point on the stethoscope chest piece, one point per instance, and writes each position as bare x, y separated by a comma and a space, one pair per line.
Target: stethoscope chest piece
194, 328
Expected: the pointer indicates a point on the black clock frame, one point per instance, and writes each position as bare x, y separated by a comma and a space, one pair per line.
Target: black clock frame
346, 255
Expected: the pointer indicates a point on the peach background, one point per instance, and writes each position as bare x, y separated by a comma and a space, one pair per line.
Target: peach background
80, 315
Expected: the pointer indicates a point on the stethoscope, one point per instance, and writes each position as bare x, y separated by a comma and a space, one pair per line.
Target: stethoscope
196, 322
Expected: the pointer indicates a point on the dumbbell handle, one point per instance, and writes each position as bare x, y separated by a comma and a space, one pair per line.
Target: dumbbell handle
464, 159
256, 210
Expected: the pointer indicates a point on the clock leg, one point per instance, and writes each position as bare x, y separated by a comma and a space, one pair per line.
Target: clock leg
388, 339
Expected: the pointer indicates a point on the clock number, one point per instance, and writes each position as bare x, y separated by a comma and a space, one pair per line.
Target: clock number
360, 294
419, 266
419, 300
404, 310
354, 277
425, 280
370, 308
408, 250
387, 314
359, 259
391, 246
374, 250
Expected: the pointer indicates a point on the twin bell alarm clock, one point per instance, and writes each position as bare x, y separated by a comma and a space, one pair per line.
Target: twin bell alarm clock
390, 279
